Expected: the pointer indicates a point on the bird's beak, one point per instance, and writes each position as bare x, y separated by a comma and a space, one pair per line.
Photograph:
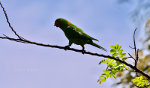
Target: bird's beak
56, 24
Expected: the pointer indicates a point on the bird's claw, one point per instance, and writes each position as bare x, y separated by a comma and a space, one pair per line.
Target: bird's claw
83, 51
66, 47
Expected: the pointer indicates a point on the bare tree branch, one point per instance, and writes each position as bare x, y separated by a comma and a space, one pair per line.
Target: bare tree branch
134, 41
7, 19
131, 57
131, 47
22, 40
135, 50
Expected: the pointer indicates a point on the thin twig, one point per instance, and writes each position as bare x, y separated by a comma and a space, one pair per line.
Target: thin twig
131, 47
137, 55
135, 50
134, 41
7, 19
131, 56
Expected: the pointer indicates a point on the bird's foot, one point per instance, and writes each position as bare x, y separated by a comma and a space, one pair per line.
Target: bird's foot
83, 51
66, 47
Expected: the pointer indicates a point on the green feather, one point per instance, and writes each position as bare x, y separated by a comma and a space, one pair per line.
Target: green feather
75, 34
100, 47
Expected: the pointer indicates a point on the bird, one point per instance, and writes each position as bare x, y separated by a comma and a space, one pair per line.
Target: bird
75, 35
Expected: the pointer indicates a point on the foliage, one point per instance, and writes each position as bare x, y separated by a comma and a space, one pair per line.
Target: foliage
116, 69
143, 63
113, 66
141, 82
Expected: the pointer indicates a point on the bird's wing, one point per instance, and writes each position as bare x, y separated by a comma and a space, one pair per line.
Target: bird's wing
90, 37
82, 32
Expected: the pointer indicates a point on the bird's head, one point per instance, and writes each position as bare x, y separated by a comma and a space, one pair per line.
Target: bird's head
61, 23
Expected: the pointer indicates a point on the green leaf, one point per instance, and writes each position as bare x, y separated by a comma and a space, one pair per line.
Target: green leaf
115, 54
118, 47
99, 81
114, 75
141, 77
120, 51
118, 63
103, 80
123, 54
124, 58
105, 71
112, 51
102, 61
112, 46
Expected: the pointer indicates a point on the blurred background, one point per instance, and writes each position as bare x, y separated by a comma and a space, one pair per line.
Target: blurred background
30, 66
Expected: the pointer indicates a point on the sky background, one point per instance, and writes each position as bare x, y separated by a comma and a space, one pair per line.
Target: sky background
31, 66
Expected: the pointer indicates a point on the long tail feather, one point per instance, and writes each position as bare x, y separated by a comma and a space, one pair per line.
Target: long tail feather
100, 47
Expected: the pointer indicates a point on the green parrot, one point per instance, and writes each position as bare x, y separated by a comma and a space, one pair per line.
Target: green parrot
75, 35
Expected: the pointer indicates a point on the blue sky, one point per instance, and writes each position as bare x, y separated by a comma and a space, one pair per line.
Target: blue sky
30, 66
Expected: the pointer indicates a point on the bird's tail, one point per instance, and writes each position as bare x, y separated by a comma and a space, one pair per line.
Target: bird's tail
100, 47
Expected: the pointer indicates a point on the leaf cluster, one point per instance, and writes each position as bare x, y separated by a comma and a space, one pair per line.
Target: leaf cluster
141, 82
113, 66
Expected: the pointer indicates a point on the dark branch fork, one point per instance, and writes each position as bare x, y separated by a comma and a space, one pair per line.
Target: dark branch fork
23, 40
136, 52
